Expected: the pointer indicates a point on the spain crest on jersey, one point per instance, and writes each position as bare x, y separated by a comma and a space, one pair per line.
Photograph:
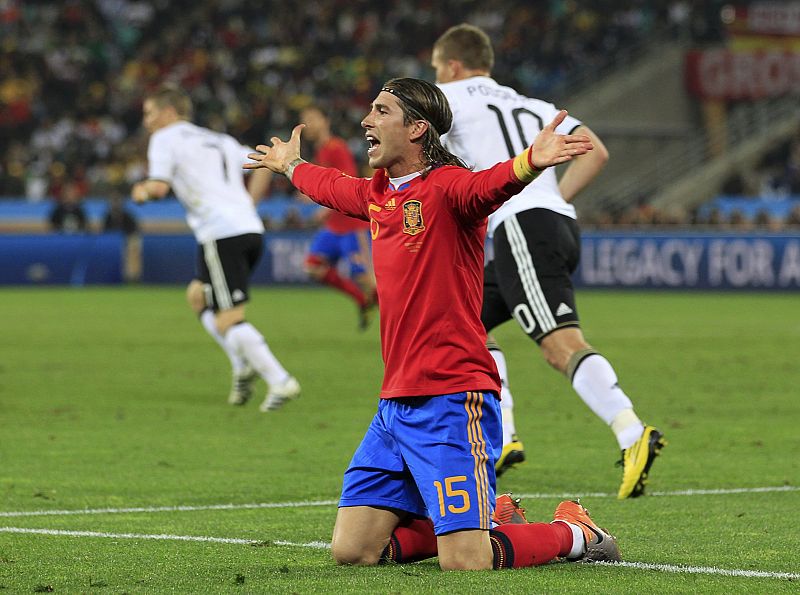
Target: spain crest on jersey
412, 217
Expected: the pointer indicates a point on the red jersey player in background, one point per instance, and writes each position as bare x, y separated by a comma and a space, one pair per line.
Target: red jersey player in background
343, 237
422, 482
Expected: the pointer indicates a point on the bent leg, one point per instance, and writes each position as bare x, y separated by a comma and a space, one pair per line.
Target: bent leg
470, 549
361, 534
196, 298
560, 345
316, 266
412, 540
249, 343
595, 381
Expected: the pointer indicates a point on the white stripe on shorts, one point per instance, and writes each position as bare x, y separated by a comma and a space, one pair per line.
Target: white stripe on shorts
527, 274
221, 292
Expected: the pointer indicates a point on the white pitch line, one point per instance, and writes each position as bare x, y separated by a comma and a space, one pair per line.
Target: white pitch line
301, 504
689, 492
712, 570
311, 503
127, 535
704, 570
163, 537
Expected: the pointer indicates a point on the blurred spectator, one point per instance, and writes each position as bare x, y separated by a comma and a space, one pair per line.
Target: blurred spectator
68, 215
737, 220
118, 218
294, 220
72, 74
794, 217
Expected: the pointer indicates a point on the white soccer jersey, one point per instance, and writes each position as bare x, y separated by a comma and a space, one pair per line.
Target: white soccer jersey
204, 169
492, 123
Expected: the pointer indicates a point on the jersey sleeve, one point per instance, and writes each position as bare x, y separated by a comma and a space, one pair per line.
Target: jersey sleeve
160, 160
333, 189
476, 195
569, 125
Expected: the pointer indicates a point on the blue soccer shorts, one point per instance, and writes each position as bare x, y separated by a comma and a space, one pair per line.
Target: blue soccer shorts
432, 457
334, 246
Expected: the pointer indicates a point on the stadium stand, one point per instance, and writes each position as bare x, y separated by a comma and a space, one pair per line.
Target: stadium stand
73, 73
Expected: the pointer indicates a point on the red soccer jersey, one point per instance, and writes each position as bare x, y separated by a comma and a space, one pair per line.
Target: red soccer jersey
335, 153
427, 251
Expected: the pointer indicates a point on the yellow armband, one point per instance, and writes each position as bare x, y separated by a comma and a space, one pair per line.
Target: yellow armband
524, 168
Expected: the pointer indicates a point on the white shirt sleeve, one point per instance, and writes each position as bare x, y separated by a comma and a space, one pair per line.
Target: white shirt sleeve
160, 160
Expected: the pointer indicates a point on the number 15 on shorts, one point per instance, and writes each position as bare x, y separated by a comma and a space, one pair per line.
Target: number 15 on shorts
451, 498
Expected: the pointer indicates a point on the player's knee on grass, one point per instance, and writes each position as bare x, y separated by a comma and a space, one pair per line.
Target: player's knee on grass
351, 553
465, 550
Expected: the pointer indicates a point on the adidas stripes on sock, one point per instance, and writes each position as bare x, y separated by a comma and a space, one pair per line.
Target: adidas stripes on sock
513, 546
411, 541
532, 544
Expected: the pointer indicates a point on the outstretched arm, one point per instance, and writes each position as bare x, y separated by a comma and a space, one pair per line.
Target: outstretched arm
480, 194
149, 190
282, 157
585, 168
324, 185
550, 148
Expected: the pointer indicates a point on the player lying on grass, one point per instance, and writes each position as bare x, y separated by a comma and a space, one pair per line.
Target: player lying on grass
431, 448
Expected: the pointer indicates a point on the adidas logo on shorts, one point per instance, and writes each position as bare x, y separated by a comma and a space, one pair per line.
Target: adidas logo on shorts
563, 310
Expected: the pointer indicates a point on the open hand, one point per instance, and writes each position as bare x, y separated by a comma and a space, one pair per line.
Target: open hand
280, 155
550, 148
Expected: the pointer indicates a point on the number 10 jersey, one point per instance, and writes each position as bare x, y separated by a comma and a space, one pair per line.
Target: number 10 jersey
492, 123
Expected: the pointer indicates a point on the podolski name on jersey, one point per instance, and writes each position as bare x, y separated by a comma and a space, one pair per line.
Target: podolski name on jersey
413, 222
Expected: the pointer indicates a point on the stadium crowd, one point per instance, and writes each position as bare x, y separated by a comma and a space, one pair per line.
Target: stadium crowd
73, 73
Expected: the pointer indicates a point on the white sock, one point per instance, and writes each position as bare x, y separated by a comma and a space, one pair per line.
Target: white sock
207, 320
596, 383
578, 541
506, 400
246, 341
627, 427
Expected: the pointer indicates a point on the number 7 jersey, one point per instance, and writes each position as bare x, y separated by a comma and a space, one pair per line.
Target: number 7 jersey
492, 123
204, 169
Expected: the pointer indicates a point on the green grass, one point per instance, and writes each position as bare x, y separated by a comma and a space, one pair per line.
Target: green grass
115, 398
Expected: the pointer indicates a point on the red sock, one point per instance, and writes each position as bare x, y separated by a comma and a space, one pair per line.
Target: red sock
518, 546
411, 541
333, 279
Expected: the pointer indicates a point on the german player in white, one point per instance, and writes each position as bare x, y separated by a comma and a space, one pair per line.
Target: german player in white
204, 169
535, 245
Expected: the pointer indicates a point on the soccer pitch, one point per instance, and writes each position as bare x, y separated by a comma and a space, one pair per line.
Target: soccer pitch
122, 468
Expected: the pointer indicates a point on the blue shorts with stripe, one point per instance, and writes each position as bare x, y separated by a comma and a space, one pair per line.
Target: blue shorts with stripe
334, 246
431, 457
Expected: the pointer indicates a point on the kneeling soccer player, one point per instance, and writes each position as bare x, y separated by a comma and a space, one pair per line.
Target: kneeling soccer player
431, 448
